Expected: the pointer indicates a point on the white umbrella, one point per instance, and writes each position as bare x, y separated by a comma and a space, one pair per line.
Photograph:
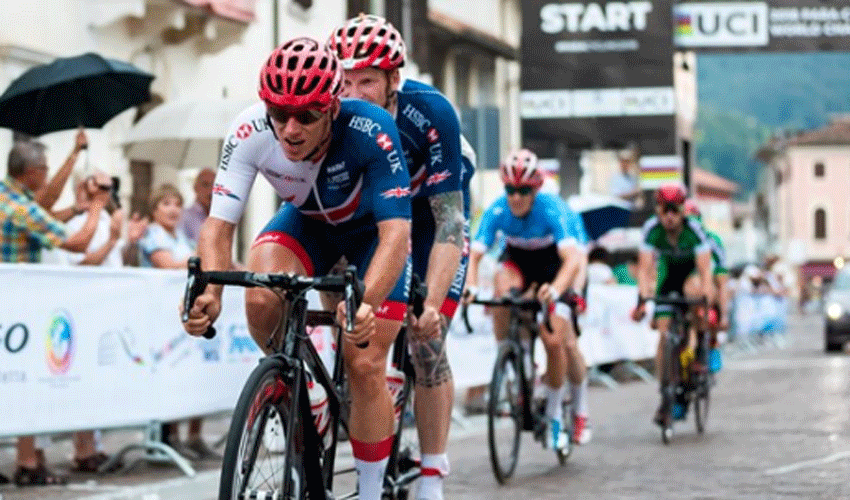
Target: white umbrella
183, 133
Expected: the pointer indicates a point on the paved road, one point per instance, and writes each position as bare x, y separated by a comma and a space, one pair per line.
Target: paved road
779, 428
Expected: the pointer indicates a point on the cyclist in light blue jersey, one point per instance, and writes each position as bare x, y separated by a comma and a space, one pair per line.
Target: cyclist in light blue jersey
540, 251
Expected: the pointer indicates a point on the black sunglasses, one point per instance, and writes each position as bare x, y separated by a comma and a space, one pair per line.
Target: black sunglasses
302, 116
671, 208
521, 190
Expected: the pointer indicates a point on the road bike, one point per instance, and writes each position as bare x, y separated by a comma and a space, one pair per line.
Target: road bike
278, 447
511, 406
683, 385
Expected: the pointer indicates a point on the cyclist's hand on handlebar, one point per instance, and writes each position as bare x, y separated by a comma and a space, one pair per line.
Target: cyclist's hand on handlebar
203, 314
364, 323
639, 312
469, 294
427, 326
546, 294
577, 300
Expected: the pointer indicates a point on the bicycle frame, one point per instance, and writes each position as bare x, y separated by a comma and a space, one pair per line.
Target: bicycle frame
294, 350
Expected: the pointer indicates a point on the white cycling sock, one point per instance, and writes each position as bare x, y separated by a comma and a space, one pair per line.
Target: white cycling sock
579, 396
434, 469
554, 402
370, 460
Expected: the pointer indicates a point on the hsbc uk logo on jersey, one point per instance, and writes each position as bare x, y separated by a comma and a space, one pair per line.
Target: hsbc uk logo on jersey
244, 131
433, 135
384, 141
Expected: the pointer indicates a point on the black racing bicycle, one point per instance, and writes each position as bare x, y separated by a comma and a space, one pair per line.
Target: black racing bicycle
511, 407
274, 450
683, 385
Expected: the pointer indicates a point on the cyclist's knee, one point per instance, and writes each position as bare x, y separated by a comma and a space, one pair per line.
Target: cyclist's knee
262, 308
364, 365
553, 340
430, 361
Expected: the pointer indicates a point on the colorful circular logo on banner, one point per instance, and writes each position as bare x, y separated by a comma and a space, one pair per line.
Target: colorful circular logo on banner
60, 342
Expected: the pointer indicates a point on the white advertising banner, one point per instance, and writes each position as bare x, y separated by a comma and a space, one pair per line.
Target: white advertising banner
608, 335
84, 348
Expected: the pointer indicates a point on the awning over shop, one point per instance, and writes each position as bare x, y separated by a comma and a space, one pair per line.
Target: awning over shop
452, 28
235, 10
814, 268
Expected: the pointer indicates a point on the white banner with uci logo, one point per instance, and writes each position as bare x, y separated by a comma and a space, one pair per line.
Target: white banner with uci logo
96, 348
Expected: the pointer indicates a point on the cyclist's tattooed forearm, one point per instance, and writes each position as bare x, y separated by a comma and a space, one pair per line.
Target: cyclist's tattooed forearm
430, 361
448, 217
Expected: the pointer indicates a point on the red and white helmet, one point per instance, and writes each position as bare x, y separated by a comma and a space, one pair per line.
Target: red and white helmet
691, 208
368, 41
520, 169
671, 193
300, 74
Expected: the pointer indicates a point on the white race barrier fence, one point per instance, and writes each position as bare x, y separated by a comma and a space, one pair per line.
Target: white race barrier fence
91, 348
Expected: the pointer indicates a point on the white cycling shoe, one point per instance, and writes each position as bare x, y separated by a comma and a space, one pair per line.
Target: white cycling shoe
555, 438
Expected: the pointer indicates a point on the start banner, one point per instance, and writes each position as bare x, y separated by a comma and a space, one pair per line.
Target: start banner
88, 348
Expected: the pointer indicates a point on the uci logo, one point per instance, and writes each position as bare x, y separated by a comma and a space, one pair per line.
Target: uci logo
14, 338
722, 24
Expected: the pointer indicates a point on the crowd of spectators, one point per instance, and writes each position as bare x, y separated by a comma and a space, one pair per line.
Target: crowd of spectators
93, 231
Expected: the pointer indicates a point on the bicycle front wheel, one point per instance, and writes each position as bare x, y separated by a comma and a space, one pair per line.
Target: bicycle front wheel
504, 415
255, 456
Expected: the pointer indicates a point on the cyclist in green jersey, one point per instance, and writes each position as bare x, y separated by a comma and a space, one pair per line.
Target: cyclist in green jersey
683, 266
721, 279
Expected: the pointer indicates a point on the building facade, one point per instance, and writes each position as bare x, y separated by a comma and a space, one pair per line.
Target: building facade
802, 200
202, 49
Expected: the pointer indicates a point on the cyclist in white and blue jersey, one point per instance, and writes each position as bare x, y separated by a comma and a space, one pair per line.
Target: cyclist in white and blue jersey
539, 251
440, 164
339, 167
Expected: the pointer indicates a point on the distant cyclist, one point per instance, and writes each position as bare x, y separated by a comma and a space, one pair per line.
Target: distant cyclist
539, 251
339, 167
721, 280
683, 255
440, 165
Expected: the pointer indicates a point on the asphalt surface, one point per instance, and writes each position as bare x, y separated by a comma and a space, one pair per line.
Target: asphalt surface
779, 428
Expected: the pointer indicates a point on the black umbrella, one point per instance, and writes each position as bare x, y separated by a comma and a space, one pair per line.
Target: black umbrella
86, 90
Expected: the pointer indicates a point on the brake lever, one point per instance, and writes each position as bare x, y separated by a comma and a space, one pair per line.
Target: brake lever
353, 296
196, 283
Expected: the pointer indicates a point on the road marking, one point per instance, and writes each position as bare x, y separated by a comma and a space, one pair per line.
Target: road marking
808, 463
787, 363
150, 491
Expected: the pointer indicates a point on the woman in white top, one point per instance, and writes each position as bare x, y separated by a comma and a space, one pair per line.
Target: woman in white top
166, 246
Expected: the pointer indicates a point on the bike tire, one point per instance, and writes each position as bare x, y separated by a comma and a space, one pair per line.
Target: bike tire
504, 408
254, 457
702, 401
670, 382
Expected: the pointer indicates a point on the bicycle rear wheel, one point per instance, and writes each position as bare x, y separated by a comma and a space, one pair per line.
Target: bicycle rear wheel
701, 402
255, 456
504, 415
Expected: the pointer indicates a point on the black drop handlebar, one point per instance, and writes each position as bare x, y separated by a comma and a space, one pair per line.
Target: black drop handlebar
674, 300
347, 283
513, 300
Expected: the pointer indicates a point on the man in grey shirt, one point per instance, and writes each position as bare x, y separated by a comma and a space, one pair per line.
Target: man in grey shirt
624, 184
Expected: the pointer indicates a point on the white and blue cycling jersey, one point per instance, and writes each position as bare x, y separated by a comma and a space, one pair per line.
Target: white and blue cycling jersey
439, 161
363, 174
530, 243
550, 222
332, 205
